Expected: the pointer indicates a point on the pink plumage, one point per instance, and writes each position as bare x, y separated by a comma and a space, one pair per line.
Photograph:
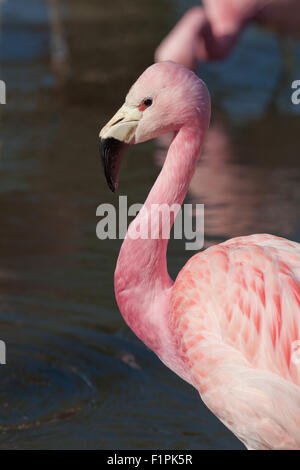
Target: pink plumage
235, 311
228, 323
210, 32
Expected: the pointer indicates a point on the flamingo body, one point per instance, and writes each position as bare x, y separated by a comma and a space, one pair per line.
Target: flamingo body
228, 323
235, 311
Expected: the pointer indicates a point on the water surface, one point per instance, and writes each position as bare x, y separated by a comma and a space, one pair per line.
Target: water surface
76, 377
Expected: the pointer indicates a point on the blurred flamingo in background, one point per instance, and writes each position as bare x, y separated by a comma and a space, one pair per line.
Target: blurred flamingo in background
227, 325
210, 32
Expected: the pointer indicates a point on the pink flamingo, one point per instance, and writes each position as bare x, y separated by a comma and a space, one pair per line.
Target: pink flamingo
228, 323
210, 33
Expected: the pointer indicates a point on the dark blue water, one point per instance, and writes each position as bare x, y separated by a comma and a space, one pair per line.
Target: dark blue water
76, 377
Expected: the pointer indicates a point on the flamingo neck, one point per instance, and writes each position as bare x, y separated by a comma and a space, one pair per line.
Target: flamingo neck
227, 19
142, 282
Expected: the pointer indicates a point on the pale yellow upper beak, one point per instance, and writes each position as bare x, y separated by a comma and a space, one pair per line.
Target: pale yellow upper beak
123, 124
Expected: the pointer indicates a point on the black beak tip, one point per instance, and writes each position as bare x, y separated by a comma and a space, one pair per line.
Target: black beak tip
112, 187
104, 149
111, 151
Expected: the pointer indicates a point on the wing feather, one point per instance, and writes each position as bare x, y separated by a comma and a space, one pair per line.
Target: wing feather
235, 312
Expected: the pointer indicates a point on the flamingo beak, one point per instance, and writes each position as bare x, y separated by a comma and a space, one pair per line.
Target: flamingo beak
114, 138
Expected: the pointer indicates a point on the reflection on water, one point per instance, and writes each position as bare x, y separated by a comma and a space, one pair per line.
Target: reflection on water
76, 377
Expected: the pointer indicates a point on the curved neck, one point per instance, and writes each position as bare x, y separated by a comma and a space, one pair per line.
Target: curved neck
141, 276
226, 20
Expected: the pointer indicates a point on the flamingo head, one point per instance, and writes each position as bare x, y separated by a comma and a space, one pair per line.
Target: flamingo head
165, 97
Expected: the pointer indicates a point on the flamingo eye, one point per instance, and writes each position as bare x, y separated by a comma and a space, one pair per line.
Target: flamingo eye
147, 102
